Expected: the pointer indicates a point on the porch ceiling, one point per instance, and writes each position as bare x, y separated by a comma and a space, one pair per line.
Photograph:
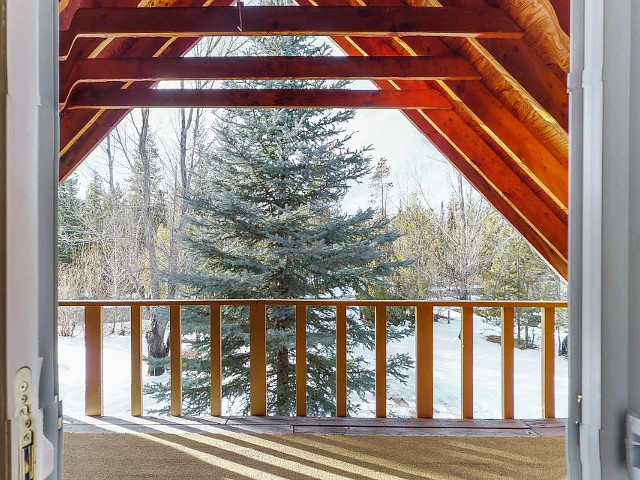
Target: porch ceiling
504, 128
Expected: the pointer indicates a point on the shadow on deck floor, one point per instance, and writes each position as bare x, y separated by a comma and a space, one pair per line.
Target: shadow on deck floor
305, 448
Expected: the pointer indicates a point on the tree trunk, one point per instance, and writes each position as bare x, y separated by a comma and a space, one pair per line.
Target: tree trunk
157, 346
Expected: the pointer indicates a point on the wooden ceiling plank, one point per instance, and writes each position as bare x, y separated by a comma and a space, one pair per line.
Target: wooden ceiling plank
115, 98
543, 30
518, 62
266, 20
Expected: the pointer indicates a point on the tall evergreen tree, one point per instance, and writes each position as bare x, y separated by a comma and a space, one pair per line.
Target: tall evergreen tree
267, 223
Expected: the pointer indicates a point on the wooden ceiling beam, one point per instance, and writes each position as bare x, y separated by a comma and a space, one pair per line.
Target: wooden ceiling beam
262, 68
115, 98
266, 20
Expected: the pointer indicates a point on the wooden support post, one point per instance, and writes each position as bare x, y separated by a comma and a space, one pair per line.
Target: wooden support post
424, 361
301, 360
381, 361
136, 360
548, 363
175, 345
466, 328
507, 362
258, 359
93, 321
216, 359
341, 361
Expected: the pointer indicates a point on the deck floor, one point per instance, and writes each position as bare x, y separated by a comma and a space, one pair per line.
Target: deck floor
251, 448
324, 425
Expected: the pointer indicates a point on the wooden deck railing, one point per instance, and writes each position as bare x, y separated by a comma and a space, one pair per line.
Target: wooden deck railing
94, 314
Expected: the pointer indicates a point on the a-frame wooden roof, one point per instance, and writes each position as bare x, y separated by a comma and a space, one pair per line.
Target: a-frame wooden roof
493, 97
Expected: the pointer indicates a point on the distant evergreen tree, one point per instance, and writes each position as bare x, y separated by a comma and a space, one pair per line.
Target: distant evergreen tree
519, 273
70, 225
267, 223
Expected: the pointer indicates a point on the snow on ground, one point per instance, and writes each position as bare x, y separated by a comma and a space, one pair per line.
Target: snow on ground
401, 398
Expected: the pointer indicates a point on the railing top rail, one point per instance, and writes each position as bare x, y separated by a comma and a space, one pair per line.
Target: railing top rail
329, 302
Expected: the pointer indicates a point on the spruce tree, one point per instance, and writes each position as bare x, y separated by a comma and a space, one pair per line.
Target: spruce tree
266, 222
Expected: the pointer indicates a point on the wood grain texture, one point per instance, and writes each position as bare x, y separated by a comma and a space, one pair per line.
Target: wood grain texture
341, 361
548, 363
114, 98
424, 361
175, 346
507, 354
136, 360
466, 370
381, 360
215, 325
101, 70
93, 324
301, 360
267, 20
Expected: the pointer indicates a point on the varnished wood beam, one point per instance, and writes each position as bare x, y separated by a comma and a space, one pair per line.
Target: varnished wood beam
262, 68
115, 98
267, 20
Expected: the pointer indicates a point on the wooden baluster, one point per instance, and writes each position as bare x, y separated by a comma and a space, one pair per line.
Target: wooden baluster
301, 360
258, 359
507, 362
136, 360
93, 322
175, 344
381, 361
215, 335
424, 361
548, 363
341, 361
466, 328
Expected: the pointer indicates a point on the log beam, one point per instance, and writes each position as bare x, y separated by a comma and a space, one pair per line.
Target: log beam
115, 98
265, 20
262, 68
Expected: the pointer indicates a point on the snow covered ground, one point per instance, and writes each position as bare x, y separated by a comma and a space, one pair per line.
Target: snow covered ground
401, 398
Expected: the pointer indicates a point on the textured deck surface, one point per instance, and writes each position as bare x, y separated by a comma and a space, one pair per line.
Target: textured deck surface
112, 448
